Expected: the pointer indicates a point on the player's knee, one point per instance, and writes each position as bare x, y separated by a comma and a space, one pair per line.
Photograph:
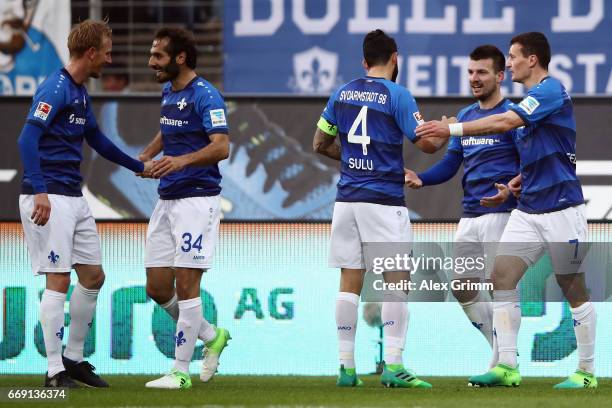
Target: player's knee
464, 296
58, 282
186, 290
158, 293
94, 280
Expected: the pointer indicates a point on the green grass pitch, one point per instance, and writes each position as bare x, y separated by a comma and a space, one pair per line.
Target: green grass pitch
129, 391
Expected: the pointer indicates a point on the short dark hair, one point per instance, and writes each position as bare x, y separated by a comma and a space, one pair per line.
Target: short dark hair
378, 48
534, 43
179, 40
490, 52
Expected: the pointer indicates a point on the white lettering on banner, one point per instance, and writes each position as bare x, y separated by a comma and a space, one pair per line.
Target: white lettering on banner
567, 22
590, 62
464, 81
441, 75
316, 25
248, 26
420, 23
557, 62
477, 23
362, 22
415, 75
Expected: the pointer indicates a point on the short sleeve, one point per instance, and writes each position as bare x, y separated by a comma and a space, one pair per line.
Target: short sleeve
46, 103
328, 112
541, 101
211, 108
406, 114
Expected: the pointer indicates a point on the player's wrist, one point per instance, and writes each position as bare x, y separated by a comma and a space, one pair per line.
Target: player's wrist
455, 129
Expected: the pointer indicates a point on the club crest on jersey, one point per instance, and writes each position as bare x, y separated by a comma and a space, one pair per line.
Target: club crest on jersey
418, 117
181, 104
529, 104
42, 110
217, 118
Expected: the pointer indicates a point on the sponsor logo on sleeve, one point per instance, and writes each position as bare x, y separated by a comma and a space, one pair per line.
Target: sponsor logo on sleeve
42, 110
529, 104
418, 117
217, 118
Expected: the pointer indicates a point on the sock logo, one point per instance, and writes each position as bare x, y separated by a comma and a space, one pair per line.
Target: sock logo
388, 323
180, 339
53, 257
60, 333
347, 328
477, 325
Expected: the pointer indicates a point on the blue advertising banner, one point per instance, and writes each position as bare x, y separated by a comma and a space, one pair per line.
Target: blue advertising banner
283, 46
32, 43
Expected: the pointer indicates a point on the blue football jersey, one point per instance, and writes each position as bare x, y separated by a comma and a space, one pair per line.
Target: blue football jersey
187, 118
372, 115
486, 160
547, 148
62, 109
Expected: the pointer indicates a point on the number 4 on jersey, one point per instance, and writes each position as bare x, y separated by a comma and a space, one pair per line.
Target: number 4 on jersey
363, 139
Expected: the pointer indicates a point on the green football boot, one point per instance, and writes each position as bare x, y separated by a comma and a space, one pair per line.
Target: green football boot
580, 379
212, 352
348, 378
499, 376
396, 376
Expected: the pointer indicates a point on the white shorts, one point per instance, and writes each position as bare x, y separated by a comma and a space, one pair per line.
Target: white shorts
183, 233
560, 232
479, 236
69, 237
356, 223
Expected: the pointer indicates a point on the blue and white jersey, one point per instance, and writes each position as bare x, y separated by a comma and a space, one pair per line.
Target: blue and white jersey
62, 109
487, 160
187, 119
372, 115
547, 148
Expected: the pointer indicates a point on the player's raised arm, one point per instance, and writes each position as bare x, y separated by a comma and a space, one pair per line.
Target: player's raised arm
498, 123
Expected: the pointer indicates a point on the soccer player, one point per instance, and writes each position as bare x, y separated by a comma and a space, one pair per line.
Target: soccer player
550, 214
183, 229
370, 115
59, 229
490, 162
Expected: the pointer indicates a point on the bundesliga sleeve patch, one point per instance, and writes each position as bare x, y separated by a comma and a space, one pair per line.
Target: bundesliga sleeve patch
418, 117
529, 104
42, 110
217, 118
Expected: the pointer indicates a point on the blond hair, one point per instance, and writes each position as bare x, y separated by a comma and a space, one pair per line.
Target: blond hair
87, 34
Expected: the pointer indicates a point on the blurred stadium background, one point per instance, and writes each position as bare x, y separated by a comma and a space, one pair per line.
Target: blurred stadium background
277, 61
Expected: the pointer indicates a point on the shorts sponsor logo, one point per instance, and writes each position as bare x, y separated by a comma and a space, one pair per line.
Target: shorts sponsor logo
529, 104
199, 257
42, 110
217, 118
